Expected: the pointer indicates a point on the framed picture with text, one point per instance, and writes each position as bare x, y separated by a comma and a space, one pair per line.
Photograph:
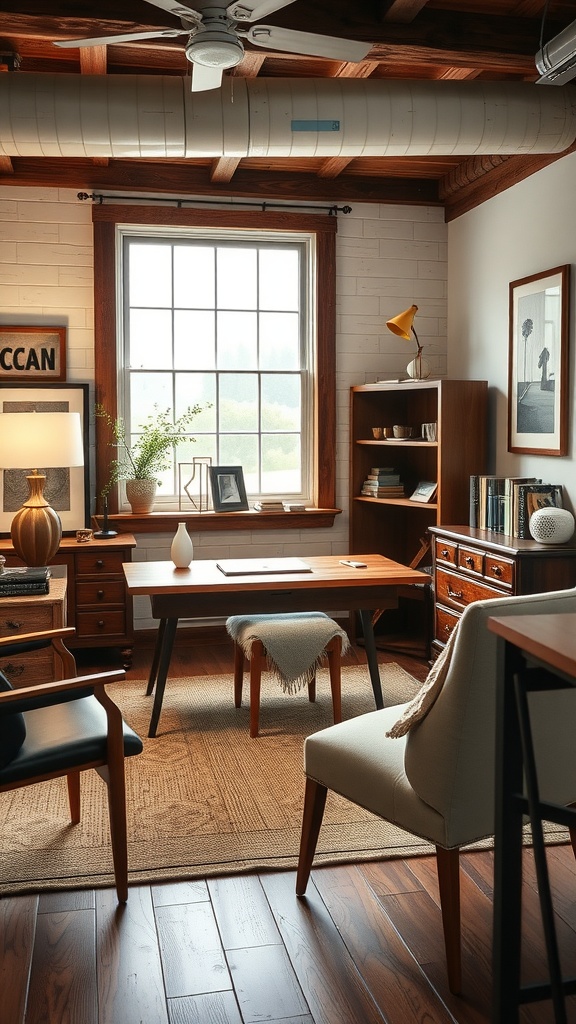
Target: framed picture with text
538, 363
67, 489
32, 354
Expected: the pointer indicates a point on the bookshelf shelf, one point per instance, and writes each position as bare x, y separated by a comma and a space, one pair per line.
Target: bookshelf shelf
397, 526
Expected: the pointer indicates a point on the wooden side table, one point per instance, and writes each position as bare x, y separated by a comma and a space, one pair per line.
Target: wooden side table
29, 614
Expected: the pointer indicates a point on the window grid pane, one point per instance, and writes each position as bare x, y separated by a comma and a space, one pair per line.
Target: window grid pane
232, 333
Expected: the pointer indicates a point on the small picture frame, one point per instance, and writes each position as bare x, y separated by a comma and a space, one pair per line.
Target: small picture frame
32, 354
228, 490
425, 491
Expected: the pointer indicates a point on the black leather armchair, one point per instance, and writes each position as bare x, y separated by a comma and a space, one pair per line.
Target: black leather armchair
63, 728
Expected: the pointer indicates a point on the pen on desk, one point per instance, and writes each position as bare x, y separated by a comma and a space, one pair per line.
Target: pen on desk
353, 565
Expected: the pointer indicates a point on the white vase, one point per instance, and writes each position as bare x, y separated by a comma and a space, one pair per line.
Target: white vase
182, 549
551, 525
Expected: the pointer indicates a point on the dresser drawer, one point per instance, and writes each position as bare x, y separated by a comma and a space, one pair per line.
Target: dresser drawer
446, 553
102, 623
471, 560
105, 592
96, 563
458, 591
25, 617
29, 669
445, 623
501, 570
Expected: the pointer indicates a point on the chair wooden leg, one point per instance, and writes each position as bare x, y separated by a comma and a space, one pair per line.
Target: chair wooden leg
73, 780
334, 650
256, 656
312, 689
238, 675
314, 804
113, 775
448, 867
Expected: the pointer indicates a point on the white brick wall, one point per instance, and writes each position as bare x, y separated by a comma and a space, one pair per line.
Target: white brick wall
387, 258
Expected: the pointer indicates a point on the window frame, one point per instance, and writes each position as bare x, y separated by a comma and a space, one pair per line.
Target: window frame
106, 218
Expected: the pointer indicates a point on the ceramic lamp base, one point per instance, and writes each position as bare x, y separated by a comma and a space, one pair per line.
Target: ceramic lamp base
36, 530
418, 369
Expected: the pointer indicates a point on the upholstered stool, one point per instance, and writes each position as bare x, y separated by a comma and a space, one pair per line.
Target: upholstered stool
294, 645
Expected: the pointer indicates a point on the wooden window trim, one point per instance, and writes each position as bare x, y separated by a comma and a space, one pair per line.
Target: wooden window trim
105, 220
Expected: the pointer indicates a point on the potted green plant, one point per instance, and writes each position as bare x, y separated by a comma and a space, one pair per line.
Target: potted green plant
140, 463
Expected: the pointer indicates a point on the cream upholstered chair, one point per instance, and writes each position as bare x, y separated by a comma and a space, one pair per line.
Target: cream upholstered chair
437, 781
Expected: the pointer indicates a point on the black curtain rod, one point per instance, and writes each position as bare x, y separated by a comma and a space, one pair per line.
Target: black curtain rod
263, 206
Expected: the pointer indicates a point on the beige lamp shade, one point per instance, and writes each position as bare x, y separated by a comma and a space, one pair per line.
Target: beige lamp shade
33, 441
402, 324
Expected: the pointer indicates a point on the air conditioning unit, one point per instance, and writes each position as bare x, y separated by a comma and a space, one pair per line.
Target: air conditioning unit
556, 61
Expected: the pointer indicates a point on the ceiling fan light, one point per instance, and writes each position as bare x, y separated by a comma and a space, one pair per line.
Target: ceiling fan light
215, 50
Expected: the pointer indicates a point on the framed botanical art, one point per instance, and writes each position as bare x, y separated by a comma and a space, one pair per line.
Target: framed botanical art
228, 490
66, 489
538, 363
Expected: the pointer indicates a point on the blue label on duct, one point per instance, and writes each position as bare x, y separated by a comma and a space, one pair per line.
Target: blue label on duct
315, 126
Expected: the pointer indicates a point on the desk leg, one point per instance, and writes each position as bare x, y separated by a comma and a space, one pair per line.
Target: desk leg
156, 657
507, 845
165, 654
371, 656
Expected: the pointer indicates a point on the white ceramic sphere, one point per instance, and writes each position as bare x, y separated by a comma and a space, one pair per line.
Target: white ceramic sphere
551, 525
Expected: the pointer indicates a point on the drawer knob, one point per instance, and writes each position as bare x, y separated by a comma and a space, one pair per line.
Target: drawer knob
13, 671
99, 563
447, 629
445, 553
455, 593
101, 624
12, 624
99, 594
469, 560
496, 570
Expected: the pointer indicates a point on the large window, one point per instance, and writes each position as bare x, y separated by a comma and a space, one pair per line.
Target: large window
230, 309
223, 323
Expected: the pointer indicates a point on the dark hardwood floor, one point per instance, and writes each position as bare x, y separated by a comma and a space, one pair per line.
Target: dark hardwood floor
364, 947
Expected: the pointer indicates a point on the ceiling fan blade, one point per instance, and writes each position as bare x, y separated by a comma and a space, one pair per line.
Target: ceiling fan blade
205, 78
253, 10
180, 10
306, 42
129, 37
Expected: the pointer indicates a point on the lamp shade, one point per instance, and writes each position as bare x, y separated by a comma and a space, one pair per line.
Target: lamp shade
33, 440
402, 324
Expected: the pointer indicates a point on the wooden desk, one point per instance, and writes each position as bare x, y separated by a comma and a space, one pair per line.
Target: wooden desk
203, 591
539, 654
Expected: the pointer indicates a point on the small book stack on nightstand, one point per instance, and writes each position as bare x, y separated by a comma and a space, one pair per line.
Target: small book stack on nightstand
21, 580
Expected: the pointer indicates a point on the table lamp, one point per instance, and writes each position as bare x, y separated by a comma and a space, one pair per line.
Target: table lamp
46, 440
402, 325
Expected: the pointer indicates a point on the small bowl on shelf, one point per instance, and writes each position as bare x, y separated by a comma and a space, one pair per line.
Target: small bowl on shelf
401, 433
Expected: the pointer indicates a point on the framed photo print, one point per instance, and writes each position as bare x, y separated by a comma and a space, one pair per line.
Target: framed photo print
228, 490
32, 354
538, 363
66, 489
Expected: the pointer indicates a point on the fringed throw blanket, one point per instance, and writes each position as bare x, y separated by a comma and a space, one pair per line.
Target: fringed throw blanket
295, 643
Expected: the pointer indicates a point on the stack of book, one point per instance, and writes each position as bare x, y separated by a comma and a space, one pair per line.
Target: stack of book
505, 504
294, 506
270, 505
21, 580
382, 482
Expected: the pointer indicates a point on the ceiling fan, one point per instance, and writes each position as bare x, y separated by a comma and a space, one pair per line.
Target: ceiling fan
214, 37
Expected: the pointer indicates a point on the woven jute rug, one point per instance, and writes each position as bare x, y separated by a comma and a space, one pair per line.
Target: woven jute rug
203, 799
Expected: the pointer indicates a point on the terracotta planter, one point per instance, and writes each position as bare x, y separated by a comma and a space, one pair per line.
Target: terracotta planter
141, 495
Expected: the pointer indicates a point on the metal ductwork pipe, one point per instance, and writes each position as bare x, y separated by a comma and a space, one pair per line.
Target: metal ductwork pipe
159, 117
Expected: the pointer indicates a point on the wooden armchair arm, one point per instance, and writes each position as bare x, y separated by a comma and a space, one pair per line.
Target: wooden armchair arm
96, 681
64, 632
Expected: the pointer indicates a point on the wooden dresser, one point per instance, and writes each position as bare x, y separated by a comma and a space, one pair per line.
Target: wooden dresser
98, 604
473, 565
29, 614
